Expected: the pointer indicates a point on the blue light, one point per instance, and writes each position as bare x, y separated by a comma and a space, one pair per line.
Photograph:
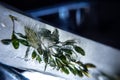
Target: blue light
53, 10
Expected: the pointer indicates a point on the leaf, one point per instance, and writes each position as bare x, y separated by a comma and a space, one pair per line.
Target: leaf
62, 57
38, 58
13, 17
89, 65
79, 50
24, 42
45, 32
6, 41
79, 73
72, 70
13, 36
15, 41
59, 64
69, 51
65, 70
69, 42
40, 51
84, 68
82, 65
34, 54
55, 36
52, 62
21, 35
55, 32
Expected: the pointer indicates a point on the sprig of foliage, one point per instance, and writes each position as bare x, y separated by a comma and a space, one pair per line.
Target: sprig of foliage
48, 48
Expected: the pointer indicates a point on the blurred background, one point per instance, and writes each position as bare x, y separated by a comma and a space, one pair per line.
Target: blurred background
94, 20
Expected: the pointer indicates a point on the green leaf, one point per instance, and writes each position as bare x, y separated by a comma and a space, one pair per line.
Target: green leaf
62, 57
79, 73
38, 58
69, 42
59, 64
21, 35
72, 70
34, 54
80, 63
6, 41
65, 70
24, 42
69, 51
89, 65
13, 36
79, 50
15, 41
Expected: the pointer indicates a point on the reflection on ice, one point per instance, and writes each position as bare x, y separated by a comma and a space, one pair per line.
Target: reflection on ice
39, 76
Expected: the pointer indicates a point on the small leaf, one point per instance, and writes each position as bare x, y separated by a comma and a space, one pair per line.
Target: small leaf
69, 42
59, 64
6, 41
62, 57
21, 35
55, 33
55, 36
69, 51
24, 42
82, 65
65, 70
13, 17
89, 65
39, 59
52, 62
15, 41
72, 70
79, 73
34, 54
84, 68
79, 50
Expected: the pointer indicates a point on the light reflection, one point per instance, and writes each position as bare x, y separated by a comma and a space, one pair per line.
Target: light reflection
2, 24
40, 76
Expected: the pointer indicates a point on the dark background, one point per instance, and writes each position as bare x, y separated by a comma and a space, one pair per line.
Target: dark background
101, 24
